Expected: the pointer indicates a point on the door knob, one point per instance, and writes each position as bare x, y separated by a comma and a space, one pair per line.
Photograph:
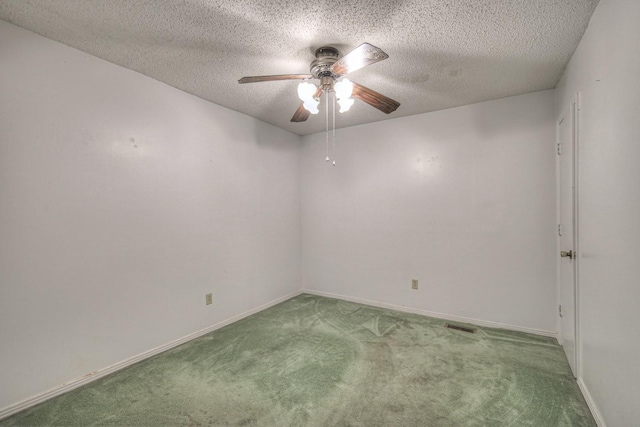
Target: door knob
564, 254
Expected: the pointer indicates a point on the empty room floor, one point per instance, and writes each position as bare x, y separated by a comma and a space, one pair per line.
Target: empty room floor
315, 361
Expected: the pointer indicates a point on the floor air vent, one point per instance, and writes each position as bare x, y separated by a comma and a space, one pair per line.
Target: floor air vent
460, 328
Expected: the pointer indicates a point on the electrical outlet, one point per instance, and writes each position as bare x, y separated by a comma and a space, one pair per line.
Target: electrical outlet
414, 283
209, 299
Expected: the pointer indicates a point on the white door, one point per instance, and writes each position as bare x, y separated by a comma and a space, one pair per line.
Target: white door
566, 230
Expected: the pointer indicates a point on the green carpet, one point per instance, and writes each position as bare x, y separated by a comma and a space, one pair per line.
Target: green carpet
314, 361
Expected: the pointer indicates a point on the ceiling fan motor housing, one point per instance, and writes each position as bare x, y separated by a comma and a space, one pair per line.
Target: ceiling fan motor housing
326, 56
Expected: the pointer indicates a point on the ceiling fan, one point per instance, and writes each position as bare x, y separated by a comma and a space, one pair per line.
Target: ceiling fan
328, 67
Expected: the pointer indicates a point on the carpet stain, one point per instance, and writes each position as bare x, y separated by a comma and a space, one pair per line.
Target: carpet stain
315, 361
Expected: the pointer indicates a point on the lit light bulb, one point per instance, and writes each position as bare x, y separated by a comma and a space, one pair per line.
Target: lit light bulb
343, 89
311, 105
306, 91
345, 104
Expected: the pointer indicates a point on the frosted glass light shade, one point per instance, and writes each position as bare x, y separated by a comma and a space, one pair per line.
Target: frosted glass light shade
306, 91
343, 89
345, 104
311, 105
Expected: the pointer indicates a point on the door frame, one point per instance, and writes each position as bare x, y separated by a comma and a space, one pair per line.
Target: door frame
573, 108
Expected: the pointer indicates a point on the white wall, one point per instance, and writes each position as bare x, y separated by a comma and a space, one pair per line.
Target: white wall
605, 69
462, 200
122, 202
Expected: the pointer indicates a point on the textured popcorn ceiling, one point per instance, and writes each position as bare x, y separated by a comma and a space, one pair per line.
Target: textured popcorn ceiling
442, 53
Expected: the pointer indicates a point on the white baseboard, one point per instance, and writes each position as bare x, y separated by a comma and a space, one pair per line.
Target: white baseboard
591, 403
56, 391
437, 315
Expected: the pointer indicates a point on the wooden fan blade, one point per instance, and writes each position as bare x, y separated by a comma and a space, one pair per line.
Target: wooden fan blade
302, 114
254, 79
360, 57
375, 99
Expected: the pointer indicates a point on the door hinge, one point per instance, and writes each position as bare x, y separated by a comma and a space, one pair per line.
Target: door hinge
559, 229
560, 310
559, 148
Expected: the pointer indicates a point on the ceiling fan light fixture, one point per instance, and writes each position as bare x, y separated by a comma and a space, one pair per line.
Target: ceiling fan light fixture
345, 104
344, 89
311, 105
306, 91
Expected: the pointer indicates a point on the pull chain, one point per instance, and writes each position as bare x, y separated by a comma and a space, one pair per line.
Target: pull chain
334, 128
326, 118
